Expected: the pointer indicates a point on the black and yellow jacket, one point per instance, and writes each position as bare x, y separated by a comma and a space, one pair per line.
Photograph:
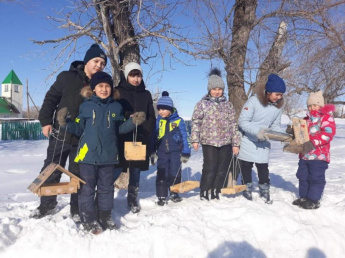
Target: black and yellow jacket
98, 125
171, 135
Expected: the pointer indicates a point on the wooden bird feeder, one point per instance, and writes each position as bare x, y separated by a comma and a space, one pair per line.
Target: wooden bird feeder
184, 186
38, 187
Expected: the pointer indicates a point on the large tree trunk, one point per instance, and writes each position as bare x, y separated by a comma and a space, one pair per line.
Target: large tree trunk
116, 21
244, 18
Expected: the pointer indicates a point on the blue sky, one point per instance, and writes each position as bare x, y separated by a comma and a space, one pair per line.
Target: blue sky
186, 84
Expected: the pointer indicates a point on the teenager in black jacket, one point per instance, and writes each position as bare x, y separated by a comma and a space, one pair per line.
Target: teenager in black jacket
134, 97
65, 92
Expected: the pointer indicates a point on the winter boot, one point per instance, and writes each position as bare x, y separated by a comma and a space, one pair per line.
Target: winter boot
106, 221
174, 197
248, 192
265, 192
204, 195
161, 201
299, 201
93, 227
215, 194
42, 211
74, 211
310, 204
132, 199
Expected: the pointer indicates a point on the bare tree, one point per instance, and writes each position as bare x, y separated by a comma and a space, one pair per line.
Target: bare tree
250, 36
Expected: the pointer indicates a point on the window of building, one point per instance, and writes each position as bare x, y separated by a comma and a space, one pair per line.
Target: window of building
6, 88
16, 88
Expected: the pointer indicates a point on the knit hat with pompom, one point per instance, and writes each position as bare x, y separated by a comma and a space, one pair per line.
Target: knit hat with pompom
215, 80
165, 102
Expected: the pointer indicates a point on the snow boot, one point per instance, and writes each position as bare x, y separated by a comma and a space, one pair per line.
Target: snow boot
106, 221
93, 227
204, 195
74, 211
265, 192
174, 197
310, 204
215, 194
299, 201
248, 192
42, 211
161, 201
132, 199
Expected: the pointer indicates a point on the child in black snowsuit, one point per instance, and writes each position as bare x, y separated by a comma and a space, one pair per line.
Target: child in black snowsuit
99, 123
172, 146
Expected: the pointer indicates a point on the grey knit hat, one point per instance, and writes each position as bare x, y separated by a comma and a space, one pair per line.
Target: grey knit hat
215, 80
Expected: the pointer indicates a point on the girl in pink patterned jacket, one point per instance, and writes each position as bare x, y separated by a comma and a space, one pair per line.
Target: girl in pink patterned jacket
214, 127
315, 156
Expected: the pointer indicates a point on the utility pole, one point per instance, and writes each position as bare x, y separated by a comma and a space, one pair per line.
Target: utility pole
27, 98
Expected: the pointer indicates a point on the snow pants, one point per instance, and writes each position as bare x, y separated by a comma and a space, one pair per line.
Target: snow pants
215, 166
95, 176
311, 176
168, 171
58, 152
263, 172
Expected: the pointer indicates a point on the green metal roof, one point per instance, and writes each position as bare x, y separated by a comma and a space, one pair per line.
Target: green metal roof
6, 107
12, 78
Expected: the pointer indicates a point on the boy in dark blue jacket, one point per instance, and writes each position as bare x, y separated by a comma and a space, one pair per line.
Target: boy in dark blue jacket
98, 125
172, 146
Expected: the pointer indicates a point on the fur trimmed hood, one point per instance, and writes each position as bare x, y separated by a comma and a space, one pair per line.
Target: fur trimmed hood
86, 92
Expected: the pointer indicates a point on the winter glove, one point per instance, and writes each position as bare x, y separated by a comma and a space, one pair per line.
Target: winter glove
307, 147
153, 158
63, 117
184, 158
289, 129
138, 118
262, 134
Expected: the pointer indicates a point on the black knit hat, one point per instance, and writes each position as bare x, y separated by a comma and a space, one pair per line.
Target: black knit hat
165, 102
94, 51
101, 77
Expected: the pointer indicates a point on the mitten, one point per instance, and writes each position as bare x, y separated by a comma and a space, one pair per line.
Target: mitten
62, 117
184, 158
153, 158
138, 118
262, 135
307, 147
289, 129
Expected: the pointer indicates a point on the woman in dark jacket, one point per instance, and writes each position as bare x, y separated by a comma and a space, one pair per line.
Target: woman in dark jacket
134, 98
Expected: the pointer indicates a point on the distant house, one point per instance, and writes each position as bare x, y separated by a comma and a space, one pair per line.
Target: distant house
11, 99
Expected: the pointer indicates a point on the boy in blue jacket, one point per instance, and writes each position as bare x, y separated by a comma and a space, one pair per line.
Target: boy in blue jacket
172, 146
98, 125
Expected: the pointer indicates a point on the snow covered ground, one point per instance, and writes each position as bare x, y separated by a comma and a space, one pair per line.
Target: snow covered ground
230, 227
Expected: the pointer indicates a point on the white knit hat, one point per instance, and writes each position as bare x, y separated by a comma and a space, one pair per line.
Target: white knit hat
316, 98
132, 66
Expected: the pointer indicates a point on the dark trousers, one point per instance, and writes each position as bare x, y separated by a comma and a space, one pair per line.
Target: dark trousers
311, 176
215, 167
263, 172
58, 152
102, 178
134, 176
168, 172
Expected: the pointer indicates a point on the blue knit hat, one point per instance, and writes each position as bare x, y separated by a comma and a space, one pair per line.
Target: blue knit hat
94, 51
275, 84
165, 102
101, 77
